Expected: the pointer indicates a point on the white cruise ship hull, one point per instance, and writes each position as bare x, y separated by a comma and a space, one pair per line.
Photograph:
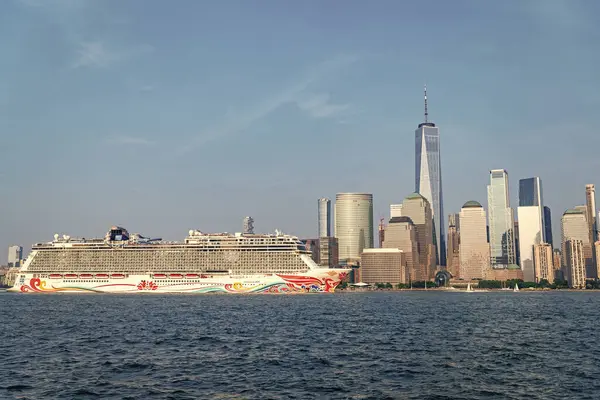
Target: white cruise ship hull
318, 280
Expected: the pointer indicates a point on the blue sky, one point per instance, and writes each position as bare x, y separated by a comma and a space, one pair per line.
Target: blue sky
165, 116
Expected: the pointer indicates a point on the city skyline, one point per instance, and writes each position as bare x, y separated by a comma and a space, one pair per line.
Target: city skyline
210, 131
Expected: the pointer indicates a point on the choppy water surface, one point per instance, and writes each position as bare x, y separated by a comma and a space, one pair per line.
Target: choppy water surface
410, 345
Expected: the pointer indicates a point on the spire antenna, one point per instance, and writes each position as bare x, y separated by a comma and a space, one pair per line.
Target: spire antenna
426, 115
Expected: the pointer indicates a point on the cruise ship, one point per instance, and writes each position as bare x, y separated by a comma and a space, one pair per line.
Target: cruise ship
203, 263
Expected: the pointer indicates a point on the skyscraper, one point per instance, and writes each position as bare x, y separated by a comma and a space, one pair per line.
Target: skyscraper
428, 179
248, 225
452, 258
381, 232
530, 192
417, 208
353, 213
531, 230
544, 262
328, 252
575, 228
15, 255
401, 234
502, 239
548, 226
531, 227
395, 210
590, 197
575, 263
474, 247
324, 217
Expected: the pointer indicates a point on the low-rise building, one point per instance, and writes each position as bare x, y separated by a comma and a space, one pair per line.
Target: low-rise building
383, 266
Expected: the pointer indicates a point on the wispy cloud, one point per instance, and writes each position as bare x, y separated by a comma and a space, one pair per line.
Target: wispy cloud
78, 21
130, 140
96, 54
290, 94
319, 106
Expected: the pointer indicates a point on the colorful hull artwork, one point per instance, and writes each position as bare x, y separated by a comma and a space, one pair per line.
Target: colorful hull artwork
322, 280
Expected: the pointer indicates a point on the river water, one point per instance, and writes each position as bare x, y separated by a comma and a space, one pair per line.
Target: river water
383, 345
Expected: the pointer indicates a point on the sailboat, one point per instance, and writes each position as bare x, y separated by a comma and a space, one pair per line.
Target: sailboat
516, 289
469, 289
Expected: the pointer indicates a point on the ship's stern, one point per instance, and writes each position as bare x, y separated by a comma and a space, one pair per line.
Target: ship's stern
316, 280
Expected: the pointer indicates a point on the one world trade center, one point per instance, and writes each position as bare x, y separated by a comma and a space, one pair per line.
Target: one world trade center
428, 178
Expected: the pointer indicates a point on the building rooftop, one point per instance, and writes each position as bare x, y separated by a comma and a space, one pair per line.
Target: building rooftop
398, 220
414, 196
573, 211
472, 204
382, 250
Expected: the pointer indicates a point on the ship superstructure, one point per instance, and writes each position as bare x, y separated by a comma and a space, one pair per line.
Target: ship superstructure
204, 262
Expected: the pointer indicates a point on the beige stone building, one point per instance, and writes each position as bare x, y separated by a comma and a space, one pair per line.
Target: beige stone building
383, 266
418, 209
575, 263
474, 247
401, 233
543, 259
574, 226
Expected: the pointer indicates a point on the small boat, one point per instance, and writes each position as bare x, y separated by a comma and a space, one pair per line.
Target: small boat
70, 276
191, 276
516, 289
117, 276
101, 276
175, 276
159, 276
55, 276
86, 276
469, 289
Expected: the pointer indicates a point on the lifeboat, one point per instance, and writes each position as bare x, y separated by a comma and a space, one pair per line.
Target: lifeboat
191, 276
102, 276
159, 276
117, 276
175, 276
86, 276
55, 276
70, 276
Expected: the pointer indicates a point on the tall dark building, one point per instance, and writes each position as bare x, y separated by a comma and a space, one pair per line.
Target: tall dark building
453, 251
530, 192
517, 244
548, 225
428, 179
